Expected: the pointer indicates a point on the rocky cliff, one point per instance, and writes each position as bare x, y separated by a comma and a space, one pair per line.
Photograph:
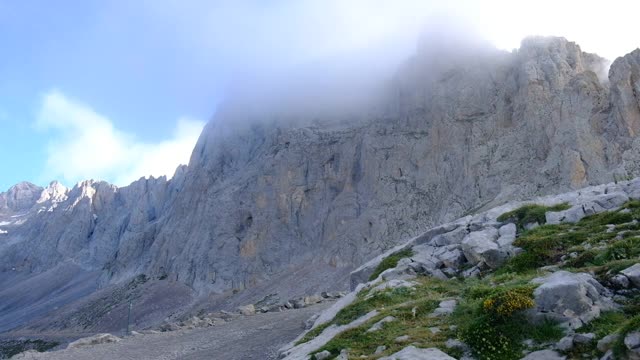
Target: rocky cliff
453, 132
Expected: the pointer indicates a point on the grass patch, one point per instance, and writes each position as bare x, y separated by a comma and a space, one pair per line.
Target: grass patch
530, 213
589, 239
390, 262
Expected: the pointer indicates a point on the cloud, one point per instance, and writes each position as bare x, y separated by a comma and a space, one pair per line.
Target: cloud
86, 145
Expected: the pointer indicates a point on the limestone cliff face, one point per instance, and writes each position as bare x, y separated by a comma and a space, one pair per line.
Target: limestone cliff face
452, 133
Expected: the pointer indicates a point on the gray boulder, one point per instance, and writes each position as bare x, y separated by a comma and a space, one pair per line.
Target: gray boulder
94, 340
480, 247
573, 299
544, 355
632, 343
633, 274
413, 353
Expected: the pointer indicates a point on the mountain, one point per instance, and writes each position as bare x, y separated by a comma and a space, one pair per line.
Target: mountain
289, 202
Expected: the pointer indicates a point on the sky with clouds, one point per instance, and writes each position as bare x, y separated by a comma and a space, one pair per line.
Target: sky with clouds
119, 89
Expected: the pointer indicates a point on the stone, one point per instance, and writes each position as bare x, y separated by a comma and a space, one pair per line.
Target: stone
402, 339
449, 238
584, 338
298, 303
606, 343
632, 343
565, 344
380, 349
380, 324
456, 344
413, 353
570, 298
344, 355
481, 247
247, 310
313, 299
544, 355
171, 326
633, 274
445, 307
323, 355
93, 340
452, 258
506, 235
620, 281
308, 324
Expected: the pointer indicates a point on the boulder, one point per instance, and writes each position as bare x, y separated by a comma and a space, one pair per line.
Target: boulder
449, 238
632, 343
544, 355
313, 299
620, 281
573, 299
378, 326
506, 235
633, 274
480, 247
247, 310
322, 355
606, 342
413, 353
94, 340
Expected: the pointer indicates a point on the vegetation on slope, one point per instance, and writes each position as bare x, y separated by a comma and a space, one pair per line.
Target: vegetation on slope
531, 213
490, 315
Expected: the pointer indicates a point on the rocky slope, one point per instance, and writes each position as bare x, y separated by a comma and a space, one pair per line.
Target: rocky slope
554, 278
309, 197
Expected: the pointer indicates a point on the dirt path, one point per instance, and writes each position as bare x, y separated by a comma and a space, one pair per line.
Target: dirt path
254, 337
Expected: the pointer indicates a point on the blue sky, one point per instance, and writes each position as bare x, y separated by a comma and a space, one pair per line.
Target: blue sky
138, 79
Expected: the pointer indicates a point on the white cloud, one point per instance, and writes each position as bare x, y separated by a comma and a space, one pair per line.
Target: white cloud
86, 145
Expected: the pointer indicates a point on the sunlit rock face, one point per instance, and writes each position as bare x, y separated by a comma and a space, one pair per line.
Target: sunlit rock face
266, 194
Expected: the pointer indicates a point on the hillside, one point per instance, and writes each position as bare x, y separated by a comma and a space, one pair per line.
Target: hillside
554, 278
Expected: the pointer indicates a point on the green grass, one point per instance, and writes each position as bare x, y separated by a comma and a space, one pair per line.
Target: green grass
390, 262
474, 325
530, 213
588, 239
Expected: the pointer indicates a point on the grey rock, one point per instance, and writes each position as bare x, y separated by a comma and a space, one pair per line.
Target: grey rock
323, 355
413, 353
544, 355
450, 238
380, 349
481, 247
507, 235
633, 274
308, 324
378, 325
565, 344
570, 298
584, 338
607, 342
632, 343
94, 340
344, 355
620, 281
247, 309
402, 339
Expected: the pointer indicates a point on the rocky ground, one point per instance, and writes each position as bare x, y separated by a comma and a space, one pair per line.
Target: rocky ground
555, 278
245, 337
